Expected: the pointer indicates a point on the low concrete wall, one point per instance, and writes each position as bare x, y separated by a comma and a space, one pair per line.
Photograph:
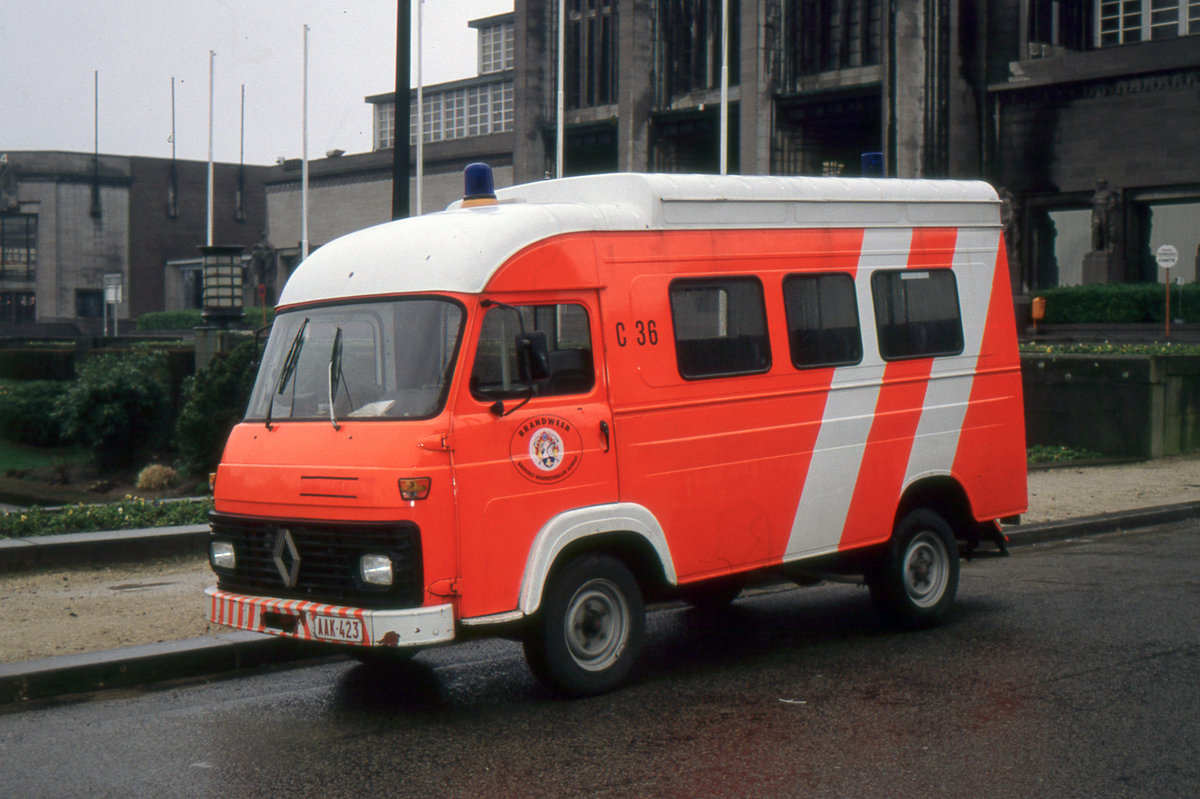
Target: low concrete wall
1139, 406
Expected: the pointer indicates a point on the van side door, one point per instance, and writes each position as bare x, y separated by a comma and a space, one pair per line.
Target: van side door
532, 436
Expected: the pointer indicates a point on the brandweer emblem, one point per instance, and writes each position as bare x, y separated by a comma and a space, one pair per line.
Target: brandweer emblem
546, 449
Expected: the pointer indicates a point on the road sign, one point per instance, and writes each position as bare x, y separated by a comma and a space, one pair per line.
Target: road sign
1166, 256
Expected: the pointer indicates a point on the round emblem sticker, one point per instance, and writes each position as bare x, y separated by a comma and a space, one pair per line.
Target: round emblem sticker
546, 449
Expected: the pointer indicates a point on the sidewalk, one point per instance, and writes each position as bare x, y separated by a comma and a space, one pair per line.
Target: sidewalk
1065, 502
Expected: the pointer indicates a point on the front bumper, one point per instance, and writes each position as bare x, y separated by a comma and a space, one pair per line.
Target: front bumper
314, 621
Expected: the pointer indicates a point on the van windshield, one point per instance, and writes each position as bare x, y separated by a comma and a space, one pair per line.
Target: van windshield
373, 360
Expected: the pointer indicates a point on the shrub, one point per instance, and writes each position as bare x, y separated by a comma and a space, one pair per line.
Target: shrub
128, 514
118, 407
156, 477
27, 412
214, 401
1110, 303
169, 320
191, 317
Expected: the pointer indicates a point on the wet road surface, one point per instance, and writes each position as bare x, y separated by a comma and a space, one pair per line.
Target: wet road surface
1070, 669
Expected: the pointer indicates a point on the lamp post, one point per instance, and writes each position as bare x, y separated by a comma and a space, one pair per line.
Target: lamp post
223, 285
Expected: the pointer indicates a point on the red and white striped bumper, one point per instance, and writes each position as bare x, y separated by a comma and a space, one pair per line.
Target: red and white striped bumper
314, 621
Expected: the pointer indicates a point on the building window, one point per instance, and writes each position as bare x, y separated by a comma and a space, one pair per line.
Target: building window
18, 306
1167, 222
89, 303
828, 35
590, 64
822, 319
1129, 21
18, 246
917, 313
1060, 238
690, 42
385, 125
495, 48
720, 327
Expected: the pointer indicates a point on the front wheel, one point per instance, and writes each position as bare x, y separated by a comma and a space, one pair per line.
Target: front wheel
589, 630
918, 578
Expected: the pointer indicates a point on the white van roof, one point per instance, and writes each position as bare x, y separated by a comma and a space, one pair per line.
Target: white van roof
459, 249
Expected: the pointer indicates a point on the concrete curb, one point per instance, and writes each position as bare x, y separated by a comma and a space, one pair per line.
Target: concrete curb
1043, 532
66, 675
112, 546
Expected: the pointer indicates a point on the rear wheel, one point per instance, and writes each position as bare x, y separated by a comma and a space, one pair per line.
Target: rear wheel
918, 578
589, 630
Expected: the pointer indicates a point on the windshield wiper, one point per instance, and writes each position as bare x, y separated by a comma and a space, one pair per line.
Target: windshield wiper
289, 366
335, 372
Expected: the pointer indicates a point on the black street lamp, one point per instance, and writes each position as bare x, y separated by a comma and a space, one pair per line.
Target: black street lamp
223, 282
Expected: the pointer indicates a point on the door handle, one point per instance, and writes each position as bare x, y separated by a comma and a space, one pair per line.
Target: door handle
604, 432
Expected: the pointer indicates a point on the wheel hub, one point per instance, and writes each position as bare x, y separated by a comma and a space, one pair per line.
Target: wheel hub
596, 625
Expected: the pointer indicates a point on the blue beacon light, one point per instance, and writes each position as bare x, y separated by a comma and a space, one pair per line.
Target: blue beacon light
478, 187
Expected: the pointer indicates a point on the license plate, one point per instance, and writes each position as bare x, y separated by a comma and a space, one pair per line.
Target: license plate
336, 628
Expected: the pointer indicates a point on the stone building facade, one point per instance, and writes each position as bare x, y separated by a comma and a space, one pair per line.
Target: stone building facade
1100, 146
1044, 98
465, 121
1085, 114
69, 222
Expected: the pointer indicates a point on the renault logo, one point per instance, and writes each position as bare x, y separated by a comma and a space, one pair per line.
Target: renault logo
287, 558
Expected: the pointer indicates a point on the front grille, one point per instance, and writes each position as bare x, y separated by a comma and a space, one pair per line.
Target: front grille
328, 554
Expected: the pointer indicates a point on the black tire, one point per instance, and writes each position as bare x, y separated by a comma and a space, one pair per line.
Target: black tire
589, 630
918, 578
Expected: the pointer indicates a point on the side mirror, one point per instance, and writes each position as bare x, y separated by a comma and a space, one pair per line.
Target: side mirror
533, 356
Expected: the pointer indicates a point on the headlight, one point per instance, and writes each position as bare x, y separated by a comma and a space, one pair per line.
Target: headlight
375, 569
221, 556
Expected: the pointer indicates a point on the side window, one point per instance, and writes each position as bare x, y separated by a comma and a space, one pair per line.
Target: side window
822, 319
720, 327
496, 373
917, 313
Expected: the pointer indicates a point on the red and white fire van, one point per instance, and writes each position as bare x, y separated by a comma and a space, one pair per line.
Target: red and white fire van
528, 416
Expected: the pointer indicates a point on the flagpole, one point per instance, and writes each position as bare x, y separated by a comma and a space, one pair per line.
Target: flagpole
304, 159
420, 115
560, 96
724, 156
212, 59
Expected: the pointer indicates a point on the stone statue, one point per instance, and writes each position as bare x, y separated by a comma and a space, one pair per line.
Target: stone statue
1106, 218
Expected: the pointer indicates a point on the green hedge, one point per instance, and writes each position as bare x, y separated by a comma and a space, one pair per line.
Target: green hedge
38, 363
190, 318
1108, 303
129, 514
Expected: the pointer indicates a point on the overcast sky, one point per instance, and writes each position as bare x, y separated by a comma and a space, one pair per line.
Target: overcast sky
50, 51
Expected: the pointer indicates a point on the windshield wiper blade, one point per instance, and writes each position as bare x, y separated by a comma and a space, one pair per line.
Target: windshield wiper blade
335, 370
289, 366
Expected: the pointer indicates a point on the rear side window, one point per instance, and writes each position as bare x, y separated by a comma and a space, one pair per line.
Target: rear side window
720, 327
917, 313
822, 318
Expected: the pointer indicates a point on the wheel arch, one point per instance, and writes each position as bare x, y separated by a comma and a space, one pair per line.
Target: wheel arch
626, 531
946, 495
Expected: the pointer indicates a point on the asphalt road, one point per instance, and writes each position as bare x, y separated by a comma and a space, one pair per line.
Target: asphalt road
1068, 670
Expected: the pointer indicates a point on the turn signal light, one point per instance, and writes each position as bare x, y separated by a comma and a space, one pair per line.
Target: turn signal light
414, 488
